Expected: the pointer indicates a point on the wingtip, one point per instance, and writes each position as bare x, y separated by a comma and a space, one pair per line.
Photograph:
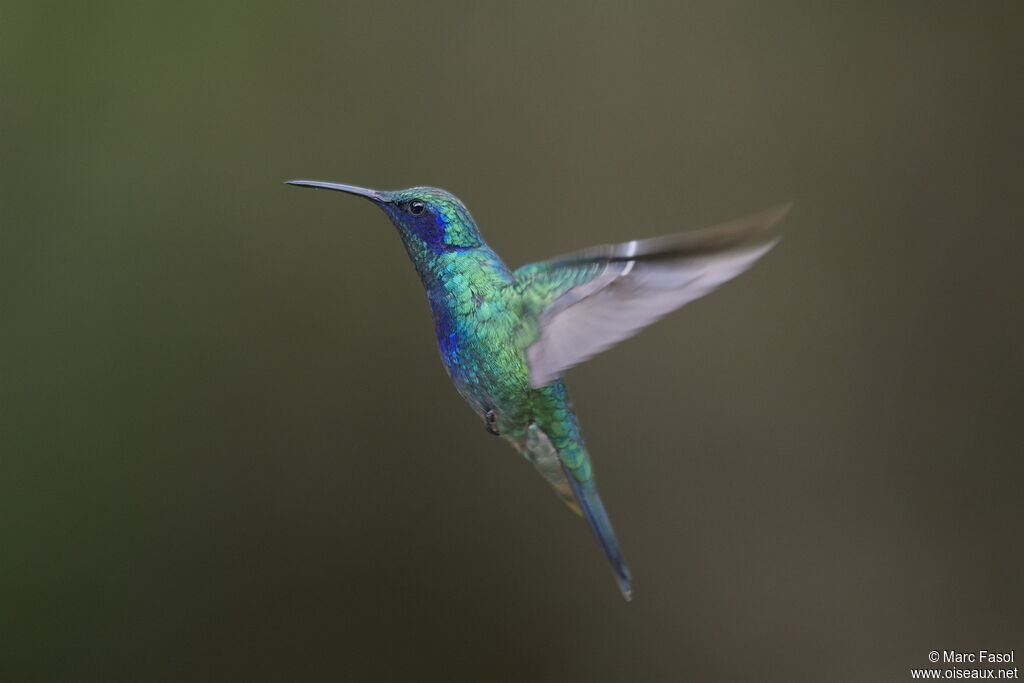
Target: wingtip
724, 237
757, 223
777, 213
756, 228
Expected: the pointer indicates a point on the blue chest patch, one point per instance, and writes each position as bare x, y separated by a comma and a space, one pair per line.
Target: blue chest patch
449, 339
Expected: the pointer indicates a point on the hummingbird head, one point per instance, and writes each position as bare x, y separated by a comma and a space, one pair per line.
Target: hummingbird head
425, 216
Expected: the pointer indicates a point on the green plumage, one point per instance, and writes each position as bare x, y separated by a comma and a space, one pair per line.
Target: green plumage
505, 338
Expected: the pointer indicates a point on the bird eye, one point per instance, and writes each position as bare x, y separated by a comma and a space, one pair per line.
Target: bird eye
416, 207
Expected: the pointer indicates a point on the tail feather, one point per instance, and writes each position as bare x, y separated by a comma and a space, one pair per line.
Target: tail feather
594, 512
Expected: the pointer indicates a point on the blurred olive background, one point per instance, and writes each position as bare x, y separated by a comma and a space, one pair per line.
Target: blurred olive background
229, 450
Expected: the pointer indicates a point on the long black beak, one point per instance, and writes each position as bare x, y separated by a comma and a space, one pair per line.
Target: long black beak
372, 195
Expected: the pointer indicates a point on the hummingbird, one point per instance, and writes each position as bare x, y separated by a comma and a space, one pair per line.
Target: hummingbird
507, 336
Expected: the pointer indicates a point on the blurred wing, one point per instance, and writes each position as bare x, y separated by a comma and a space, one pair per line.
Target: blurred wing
586, 302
